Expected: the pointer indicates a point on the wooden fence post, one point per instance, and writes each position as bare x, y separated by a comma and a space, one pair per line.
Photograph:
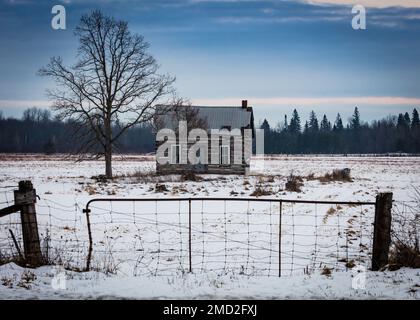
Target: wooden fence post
25, 197
382, 231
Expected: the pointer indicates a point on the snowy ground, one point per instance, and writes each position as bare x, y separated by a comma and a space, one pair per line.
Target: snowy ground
16, 283
235, 245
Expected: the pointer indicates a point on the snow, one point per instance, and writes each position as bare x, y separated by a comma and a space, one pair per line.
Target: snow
158, 234
401, 284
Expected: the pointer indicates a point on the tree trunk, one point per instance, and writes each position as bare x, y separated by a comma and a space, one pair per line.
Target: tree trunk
108, 149
108, 162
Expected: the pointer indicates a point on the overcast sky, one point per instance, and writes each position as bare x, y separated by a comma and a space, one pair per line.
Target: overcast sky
278, 54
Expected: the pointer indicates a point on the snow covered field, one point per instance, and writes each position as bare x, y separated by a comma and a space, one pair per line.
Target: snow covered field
235, 245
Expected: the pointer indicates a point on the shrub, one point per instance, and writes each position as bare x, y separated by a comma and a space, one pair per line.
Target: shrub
405, 235
190, 176
402, 255
326, 271
294, 183
261, 191
100, 178
337, 175
160, 188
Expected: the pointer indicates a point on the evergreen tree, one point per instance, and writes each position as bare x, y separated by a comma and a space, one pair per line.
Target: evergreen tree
295, 126
402, 122
313, 122
285, 125
39, 132
325, 124
265, 126
407, 119
355, 120
338, 125
415, 122
306, 127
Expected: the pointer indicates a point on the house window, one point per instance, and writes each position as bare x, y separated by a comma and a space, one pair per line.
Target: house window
175, 154
224, 155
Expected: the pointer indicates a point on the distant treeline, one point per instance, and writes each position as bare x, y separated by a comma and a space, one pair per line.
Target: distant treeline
39, 132
393, 134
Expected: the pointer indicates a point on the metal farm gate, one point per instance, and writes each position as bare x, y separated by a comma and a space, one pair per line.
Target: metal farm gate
249, 236
166, 236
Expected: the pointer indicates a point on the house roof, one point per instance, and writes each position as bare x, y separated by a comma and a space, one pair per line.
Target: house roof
234, 117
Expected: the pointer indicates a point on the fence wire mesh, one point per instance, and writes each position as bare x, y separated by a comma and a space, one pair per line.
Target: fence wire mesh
264, 238
61, 228
405, 228
161, 237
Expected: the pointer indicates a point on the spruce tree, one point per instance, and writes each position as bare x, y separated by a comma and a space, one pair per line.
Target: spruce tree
355, 121
265, 126
407, 119
295, 126
313, 122
338, 125
415, 122
325, 124
285, 124
401, 122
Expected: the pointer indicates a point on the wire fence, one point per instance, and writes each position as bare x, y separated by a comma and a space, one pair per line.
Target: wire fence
162, 237
258, 237
406, 223
61, 227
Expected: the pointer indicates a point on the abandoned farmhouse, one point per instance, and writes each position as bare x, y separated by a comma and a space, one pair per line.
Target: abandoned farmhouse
226, 146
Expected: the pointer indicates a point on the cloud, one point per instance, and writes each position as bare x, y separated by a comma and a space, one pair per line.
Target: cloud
273, 101
371, 3
285, 19
292, 101
18, 104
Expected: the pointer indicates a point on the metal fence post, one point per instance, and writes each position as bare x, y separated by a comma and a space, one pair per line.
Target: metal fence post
382, 231
189, 235
89, 256
280, 214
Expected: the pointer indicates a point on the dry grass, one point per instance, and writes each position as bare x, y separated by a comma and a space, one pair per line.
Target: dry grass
326, 271
270, 179
350, 264
342, 175
294, 183
26, 279
311, 177
138, 176
91, 190
7, 258
190, 176
405, 249
402, 255
160, 188
330, 212
179, 189
261, 191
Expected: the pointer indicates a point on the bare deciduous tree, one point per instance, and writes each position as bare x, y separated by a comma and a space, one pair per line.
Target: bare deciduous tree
179, 110
115, 80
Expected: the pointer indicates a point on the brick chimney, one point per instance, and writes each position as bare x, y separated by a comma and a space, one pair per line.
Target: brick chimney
244, 104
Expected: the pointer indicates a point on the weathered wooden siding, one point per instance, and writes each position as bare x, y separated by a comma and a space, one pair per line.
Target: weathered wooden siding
232, 168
